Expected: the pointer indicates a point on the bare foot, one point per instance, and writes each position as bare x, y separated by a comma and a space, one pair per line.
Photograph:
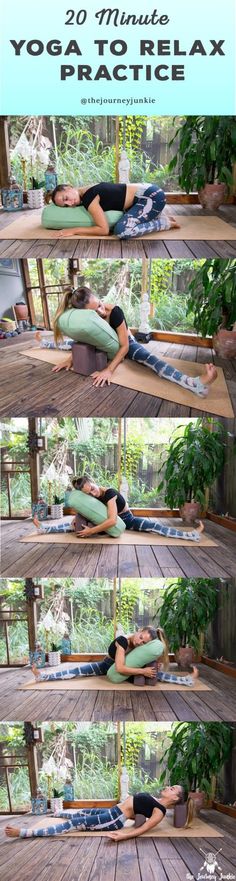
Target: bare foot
36, 522
195, 674
173, 221
210, 374
201, 527
35, 671
37, 336
12, 832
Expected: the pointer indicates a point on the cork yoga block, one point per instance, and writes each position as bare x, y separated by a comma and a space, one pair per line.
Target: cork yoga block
87, 359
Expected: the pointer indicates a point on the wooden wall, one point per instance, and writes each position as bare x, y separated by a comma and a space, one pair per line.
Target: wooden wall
221, 634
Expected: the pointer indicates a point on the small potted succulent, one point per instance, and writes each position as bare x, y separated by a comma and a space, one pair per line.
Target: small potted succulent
57, 506
212, 301
192, 463
205, 157
187, 607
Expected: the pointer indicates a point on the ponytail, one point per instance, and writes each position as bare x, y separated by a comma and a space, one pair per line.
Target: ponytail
190, 812
72, 299
165, 656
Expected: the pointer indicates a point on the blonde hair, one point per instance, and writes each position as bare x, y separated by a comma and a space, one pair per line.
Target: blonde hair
165, 655
72, 299
190, 804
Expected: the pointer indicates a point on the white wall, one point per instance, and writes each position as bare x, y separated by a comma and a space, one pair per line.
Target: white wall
11, 289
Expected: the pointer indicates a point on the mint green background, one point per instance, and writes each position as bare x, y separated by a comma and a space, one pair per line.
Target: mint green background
33, 86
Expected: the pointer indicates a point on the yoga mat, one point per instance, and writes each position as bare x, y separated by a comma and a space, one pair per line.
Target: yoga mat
135, 376
191, 227
127, 538
102, 683
199, 829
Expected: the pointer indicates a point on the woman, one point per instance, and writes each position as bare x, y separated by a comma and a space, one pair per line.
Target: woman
112, 820
83, 298
116, 506
142, 205
117, 652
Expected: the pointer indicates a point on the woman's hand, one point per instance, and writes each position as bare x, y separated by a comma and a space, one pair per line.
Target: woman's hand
101, 377
149, 672
116, 836
65, 365
66, 233
86, 531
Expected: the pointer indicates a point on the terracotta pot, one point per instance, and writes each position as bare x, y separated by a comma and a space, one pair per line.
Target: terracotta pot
185, 657
212, 195
224, 343
199, 799
190, 512
21, 311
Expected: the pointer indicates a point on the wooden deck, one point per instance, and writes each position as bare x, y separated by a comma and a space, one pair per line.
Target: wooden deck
97, 859
216, 705
29, 388
44, 560
92, 249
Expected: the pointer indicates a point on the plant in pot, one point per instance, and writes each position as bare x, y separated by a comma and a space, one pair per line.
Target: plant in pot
56, 769
212, 301
51, 628
195, 755
193, 461
206, 155
187, 607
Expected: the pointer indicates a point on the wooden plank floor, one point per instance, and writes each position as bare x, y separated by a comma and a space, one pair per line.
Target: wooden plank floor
92, 249
98, 859
99, 706
30, 388
24, 560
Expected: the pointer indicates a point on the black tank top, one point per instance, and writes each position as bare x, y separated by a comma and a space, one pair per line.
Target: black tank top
112, 494
120, 640
112, 196
145, 804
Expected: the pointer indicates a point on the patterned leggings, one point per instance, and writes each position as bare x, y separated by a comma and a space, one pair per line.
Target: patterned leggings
140, 353
99, 668
137, 524
149, 524
88, 819
144, 215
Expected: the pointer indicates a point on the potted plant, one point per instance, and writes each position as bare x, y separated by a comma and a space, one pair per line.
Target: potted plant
56, 769
21, 311
196, 754
52, 628
212, 300
57, 506
187, 608
193, 461
206, 155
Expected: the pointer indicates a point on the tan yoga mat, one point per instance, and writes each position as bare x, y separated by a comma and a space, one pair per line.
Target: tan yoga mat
198, 829
127, 538
141, 379
191, 227
102, 683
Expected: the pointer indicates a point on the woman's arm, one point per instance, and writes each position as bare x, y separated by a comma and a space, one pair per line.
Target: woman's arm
101, 227
135, 831
103, 376
102, 527
125, 670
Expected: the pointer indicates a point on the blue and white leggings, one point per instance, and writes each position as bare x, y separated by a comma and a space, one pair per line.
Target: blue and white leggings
144, 214
88, 819
137, 524
99, 668
140, 353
